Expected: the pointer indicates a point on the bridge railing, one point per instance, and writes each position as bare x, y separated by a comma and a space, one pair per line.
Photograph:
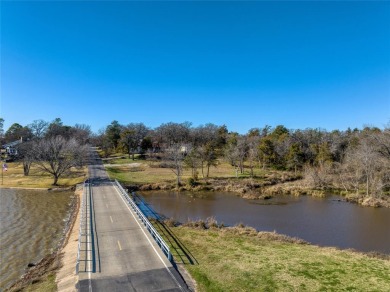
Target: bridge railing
85, 231
82, 220
160, 241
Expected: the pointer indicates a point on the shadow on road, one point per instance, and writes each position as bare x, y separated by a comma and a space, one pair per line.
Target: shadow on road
180, 252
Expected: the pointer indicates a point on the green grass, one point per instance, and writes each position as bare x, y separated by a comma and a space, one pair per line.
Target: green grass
46, 284
234, 261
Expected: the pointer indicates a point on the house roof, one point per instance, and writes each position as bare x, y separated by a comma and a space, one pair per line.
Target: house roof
11, 144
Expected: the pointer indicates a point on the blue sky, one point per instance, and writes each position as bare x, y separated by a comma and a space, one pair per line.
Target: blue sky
242, 64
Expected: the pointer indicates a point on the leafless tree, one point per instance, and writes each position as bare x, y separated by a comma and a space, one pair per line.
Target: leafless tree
208, 157
26, 156
317, 177
230, 154
57, 156
172, 133
206, 134
382, 140
253, 152
241, 152
38, 128
175, 155
82, 133
368, 166
193, 161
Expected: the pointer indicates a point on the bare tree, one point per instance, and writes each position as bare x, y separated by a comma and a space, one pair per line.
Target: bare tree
382, 140
172, 133
367, 165
82, 133
208, 157
57, 155
38, 128
203, 135
26, 156
175, 155
317, 177
241, 152
193, 161
253, 151
230, 154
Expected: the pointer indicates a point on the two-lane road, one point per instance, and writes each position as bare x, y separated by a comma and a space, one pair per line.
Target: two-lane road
126, 256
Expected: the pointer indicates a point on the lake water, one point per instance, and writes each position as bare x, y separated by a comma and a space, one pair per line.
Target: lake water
32, 224
323, 221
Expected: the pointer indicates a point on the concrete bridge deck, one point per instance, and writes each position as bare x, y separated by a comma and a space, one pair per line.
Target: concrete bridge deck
126, 258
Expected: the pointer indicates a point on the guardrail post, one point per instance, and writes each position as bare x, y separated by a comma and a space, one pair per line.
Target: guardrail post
153, 232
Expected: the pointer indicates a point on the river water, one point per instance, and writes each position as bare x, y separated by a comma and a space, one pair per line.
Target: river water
323, 221
32, 224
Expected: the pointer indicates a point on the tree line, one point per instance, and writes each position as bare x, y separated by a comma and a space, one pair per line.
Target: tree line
53, 147
354, 160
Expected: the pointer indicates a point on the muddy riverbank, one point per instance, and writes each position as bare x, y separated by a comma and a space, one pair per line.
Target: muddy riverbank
269, 188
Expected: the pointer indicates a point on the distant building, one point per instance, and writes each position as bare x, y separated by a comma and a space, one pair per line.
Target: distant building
184, 149
10, 148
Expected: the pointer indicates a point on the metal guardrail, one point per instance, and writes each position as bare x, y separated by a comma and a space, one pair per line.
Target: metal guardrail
82, 214
85, 230
156, 236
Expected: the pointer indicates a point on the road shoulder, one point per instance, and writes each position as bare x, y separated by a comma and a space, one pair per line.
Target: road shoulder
66, 277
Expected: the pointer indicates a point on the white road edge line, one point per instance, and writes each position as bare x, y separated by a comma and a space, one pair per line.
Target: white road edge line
90, 244
170, 273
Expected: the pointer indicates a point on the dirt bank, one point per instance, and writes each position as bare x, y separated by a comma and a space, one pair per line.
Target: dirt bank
66, 277
262, 190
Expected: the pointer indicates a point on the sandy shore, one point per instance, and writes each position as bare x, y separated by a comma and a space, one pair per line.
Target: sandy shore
66, 277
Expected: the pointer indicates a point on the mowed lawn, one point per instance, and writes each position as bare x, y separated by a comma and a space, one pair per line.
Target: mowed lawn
242, 260
140, 172
14, 177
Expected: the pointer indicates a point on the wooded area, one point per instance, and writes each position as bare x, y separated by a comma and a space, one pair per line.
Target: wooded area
356, 161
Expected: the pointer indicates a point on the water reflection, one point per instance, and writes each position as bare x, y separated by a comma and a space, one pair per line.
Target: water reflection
323, 221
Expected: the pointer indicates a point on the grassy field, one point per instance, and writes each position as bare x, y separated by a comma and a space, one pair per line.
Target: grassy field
140, 171
241, 259
14, 177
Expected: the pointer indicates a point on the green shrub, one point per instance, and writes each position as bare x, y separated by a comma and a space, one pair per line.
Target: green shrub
192, 182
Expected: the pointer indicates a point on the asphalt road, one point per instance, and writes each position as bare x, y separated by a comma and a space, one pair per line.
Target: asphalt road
126, 256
